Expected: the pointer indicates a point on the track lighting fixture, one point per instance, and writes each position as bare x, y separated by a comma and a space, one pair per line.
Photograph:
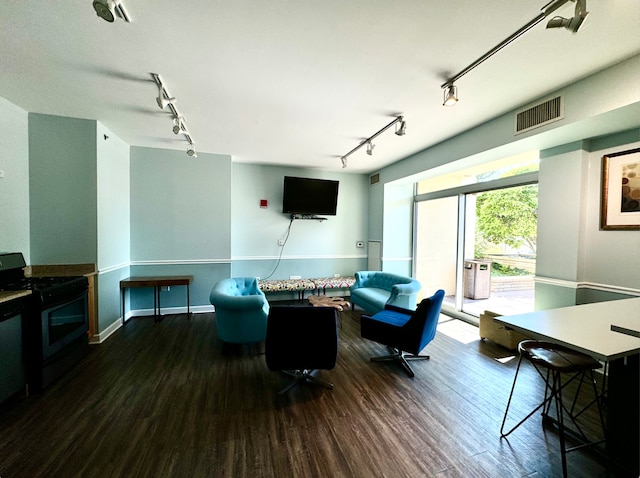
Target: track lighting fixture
109, 9
161, 100
400, 131
450, 95
572, 24
370, 147
178, 126
164, 99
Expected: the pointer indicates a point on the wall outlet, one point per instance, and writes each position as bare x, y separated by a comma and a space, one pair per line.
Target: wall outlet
281, 242
336, 276
295, 277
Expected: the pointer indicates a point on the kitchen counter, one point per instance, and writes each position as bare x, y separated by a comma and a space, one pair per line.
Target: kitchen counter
7, 295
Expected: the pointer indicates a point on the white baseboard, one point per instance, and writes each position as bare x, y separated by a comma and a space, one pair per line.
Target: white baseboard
104, 335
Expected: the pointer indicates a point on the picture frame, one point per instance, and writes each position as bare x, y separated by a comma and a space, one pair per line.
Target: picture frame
620, 199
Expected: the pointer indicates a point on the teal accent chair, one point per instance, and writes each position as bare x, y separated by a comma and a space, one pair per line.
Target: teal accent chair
373, 290
241, 310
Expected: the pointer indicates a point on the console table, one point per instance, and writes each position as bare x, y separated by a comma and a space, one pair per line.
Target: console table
156, 282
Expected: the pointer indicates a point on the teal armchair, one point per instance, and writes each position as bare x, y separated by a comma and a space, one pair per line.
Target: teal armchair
241, 310
373, 290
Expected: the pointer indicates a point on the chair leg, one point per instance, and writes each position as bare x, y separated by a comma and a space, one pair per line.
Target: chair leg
402, 357
306, 375
544, 403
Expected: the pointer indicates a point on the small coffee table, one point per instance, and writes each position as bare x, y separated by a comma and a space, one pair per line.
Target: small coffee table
324, 301
337, 303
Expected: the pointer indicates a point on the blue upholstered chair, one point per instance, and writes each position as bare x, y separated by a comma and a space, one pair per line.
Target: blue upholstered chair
373, 290
405, 332
241, 310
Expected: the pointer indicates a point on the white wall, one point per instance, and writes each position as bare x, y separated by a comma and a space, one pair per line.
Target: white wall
14, 186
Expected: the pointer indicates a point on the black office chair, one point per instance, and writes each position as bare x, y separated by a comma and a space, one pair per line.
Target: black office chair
404, 331
301, 341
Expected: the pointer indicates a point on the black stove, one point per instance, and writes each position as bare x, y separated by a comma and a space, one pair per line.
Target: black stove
55, 323
46, 290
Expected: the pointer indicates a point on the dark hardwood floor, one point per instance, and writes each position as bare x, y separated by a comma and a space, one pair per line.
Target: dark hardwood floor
168, 400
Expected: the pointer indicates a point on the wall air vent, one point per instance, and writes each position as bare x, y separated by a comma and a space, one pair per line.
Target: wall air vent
374, 179
540, 114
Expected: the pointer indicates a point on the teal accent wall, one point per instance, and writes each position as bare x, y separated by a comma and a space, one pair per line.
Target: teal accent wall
109, 304
113, 200
307, 268
180, 222
180, 206
14, 186
113, 165
313, 248
62, 190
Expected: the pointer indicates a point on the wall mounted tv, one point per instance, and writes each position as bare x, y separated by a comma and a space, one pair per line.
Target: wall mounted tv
309, 197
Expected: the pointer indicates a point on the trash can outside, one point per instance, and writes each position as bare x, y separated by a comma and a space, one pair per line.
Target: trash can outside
477, 279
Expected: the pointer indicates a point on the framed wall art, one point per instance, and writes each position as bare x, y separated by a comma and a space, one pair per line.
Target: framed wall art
620, 201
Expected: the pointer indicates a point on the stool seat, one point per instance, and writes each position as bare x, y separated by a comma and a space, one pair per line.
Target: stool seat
557, 357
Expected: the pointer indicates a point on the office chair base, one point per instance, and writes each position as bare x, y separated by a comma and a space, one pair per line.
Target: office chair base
306, 375
398, 355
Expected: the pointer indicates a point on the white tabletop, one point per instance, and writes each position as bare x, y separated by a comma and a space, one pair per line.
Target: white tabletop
586, 328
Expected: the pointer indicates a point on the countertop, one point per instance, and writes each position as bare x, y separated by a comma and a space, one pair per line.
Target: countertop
7, 295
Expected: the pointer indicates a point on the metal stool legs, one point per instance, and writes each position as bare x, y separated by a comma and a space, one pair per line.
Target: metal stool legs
553, 395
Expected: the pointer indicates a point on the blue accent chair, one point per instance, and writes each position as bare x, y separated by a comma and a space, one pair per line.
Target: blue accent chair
373, 290
241, 310
405, 332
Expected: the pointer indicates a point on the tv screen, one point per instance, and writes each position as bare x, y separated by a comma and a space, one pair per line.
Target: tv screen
308, 196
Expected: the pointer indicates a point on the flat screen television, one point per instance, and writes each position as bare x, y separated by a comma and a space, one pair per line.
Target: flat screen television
306, 196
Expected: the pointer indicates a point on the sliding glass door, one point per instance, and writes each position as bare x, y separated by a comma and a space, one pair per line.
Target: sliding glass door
477, 242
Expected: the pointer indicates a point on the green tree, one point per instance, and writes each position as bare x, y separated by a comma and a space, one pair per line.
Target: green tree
508, 216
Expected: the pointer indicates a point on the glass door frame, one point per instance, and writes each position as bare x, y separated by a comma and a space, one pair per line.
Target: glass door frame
461, 193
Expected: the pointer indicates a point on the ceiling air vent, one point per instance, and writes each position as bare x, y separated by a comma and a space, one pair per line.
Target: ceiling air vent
374, 179
539, 115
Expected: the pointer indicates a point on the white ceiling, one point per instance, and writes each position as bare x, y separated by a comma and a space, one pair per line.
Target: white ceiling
298, 82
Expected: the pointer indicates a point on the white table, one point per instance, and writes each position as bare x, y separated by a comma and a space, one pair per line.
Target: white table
591, 329
585, 328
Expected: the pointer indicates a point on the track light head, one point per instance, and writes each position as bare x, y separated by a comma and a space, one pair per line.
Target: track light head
105, 9
450, 95
191, 151
178, 126
401, 128
162, 101
370, 147
572, 24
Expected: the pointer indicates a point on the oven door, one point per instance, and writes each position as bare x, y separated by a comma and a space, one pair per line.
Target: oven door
64, 323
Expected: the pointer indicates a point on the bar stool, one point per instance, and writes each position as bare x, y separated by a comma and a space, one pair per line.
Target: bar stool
557, 360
